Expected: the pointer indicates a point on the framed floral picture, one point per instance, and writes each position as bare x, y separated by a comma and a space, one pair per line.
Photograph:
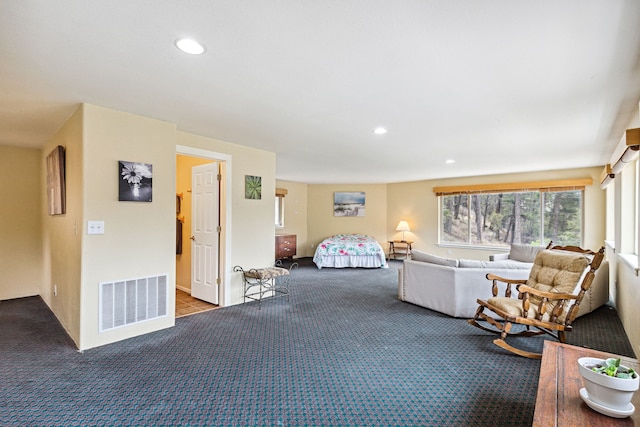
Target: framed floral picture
135, 182
252, 187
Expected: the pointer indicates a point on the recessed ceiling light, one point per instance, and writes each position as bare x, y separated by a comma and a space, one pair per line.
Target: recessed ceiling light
190, 46
450, 161
379, 131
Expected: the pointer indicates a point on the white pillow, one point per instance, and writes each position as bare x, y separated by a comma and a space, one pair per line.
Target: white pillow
433, 259
524, 253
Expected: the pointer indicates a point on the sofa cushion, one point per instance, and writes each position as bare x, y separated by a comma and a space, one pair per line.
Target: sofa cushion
433, 259
524, 253
470, 263
507, 265
494, 265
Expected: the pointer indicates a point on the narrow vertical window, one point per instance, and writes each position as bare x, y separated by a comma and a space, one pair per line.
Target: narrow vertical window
279, 206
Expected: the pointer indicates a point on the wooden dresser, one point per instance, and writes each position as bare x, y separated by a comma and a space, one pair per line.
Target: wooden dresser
285, 246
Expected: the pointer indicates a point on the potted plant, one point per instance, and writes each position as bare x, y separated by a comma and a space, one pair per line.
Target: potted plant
608, 384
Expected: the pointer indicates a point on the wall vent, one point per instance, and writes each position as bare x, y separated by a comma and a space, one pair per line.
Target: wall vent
131, 301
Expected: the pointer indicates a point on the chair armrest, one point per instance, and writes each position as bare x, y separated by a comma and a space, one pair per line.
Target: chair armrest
542, 294
491, 276
499, 257
495, 279
525, 292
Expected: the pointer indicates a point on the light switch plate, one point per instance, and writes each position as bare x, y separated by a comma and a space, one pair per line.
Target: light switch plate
95, 227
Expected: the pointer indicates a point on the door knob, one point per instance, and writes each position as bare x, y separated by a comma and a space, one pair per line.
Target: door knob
193, 238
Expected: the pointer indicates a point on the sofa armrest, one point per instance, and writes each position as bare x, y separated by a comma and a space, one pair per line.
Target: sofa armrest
499, 257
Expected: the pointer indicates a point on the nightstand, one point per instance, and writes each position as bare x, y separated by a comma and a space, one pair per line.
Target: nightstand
399, 249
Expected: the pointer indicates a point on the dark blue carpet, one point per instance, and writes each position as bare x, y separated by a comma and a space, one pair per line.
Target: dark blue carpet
343, 351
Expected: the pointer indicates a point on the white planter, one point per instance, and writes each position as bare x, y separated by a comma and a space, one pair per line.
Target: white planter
610, 392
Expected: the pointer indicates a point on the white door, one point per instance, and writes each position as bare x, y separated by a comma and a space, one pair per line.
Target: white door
205, 232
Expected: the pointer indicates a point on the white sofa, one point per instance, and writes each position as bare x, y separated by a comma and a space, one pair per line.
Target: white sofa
452, 286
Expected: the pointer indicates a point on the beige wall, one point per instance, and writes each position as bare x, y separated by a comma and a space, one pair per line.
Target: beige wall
322, 223
626, 281
21, 225
183, 186
627, 299
295, 216
139, 239
62, 234
55, 252
251, 237
416, 203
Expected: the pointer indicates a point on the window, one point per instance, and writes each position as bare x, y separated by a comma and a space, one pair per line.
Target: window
486, 217
280, 193
279, 211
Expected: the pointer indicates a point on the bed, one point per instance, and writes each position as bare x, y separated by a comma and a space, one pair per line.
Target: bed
350, 250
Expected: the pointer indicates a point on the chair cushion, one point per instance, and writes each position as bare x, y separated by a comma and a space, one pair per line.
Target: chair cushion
558, 272
553, 271
513, 306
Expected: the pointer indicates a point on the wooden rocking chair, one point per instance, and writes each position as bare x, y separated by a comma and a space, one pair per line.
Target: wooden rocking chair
547, 302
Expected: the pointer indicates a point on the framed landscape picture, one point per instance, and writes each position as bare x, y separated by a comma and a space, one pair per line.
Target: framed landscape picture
348, 203
55, 182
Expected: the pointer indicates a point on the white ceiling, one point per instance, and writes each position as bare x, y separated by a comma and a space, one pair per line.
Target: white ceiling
498, 85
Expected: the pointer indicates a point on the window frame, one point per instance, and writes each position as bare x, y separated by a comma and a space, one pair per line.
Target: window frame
279, 211
535, 186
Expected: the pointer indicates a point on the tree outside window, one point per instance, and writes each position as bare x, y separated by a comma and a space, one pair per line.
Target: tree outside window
499, 219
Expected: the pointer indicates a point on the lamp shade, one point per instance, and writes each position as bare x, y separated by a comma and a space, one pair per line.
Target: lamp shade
403, 226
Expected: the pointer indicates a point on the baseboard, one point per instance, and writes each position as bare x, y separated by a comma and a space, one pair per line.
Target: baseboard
183, 289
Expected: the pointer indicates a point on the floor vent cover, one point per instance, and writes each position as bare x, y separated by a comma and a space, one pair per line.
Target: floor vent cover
132, 301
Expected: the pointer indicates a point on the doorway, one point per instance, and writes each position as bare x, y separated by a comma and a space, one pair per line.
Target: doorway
215, 288
187, 305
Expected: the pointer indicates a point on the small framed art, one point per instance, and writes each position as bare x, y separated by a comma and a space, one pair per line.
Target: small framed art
135, 182
252, 187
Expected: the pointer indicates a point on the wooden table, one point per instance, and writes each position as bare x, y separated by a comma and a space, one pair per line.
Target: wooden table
400, 248
558, 402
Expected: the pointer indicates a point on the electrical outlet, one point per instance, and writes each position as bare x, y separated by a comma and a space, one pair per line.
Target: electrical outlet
55, 290
95, 227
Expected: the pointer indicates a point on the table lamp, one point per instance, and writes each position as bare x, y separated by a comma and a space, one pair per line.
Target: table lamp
403, 226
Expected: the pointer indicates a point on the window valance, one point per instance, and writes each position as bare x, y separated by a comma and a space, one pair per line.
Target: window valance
542, 186
281, 192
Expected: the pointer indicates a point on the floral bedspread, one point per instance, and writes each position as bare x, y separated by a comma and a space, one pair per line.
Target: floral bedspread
348, 244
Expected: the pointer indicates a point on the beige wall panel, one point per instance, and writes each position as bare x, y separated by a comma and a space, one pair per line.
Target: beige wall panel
62, 234
627, 299
21, 225
322, 223
251, 238
139, 239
